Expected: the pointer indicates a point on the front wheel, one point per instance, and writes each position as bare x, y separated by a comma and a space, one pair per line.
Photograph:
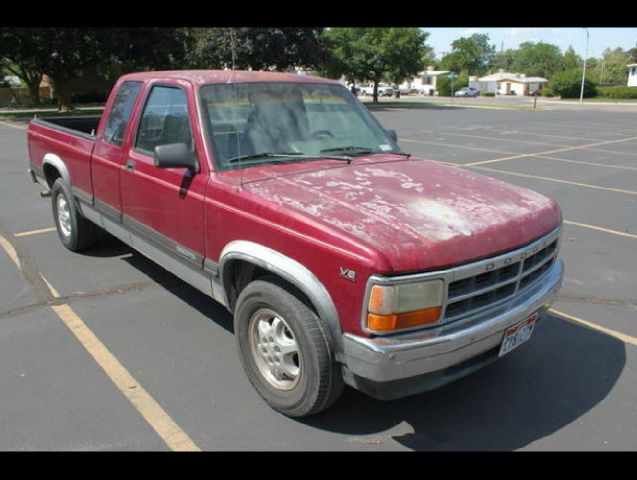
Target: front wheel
284, 350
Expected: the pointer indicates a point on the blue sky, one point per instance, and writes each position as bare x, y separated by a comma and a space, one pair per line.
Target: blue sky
600, 38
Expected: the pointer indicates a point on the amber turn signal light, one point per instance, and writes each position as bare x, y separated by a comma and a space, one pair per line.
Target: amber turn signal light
397, 321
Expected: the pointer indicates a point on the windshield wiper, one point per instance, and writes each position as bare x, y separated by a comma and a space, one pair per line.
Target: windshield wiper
255, 156
405, 154
349, 149
363, 150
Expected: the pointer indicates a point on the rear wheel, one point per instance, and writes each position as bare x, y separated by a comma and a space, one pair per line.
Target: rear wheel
284, 350
76, 232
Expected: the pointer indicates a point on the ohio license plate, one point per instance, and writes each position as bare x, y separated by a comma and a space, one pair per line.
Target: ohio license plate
517, 334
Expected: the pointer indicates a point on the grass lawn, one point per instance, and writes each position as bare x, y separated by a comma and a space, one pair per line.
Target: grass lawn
602, 100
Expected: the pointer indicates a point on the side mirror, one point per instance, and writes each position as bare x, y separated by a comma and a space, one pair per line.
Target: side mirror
176, 155
393, 135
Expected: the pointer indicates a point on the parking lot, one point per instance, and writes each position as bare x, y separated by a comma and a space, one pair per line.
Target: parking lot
107, 351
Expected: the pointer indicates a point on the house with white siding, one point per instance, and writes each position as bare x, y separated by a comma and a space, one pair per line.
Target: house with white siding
506, 83
632, 75
425, 82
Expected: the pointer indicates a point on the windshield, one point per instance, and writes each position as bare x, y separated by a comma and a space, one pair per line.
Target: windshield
253, 124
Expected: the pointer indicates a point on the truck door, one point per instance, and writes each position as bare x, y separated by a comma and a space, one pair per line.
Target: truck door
165, 205
108, 153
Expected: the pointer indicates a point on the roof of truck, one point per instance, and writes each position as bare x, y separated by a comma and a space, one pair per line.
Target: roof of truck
226, 76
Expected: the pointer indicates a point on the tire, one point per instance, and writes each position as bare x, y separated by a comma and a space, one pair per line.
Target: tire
76, 232
268, 317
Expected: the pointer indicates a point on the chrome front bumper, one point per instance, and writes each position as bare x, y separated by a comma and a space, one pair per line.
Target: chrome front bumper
420, 361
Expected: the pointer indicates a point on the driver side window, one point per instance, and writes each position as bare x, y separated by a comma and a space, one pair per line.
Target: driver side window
164, 120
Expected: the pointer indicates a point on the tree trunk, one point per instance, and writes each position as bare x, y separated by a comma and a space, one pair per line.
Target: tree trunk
34, 88
375, 100
62, 91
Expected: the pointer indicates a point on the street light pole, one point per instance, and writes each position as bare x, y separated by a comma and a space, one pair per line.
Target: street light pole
581, 95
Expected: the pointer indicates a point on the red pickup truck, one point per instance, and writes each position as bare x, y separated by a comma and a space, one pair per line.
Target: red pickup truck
343, 259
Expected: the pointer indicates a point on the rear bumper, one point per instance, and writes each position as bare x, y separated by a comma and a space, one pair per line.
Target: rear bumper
394, 367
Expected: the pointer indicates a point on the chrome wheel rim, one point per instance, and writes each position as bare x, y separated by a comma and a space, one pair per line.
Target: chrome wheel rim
274, 349
64, 216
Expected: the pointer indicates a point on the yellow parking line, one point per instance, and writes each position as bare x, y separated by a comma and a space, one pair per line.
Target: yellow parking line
530, 142
54, 292
174, 437
559, 150
601, 229
589, 127
612, 151
608, 331
548, 179
607, 165
153, 413
13, 255
35, 232
453, 145
540, 134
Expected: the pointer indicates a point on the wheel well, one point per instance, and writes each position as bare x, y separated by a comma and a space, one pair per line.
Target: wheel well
51, 173
239, 273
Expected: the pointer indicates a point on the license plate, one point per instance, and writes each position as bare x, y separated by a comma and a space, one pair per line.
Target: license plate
517, 334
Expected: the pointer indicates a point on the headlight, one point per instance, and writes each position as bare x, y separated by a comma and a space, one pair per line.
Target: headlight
407, 305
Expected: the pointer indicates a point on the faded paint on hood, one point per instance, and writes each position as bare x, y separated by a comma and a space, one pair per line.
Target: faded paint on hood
419, 214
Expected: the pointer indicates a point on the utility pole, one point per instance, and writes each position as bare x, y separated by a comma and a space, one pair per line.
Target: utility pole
581, 95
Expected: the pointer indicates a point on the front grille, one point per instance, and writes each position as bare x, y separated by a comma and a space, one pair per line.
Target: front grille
498, 279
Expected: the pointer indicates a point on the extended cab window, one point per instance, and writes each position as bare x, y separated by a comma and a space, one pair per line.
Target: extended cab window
164, 120
121, 111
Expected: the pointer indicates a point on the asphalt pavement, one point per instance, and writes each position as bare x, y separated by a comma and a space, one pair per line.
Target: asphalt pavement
107, 351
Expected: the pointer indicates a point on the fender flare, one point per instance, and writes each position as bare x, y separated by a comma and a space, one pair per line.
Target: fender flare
56, 162
294, 273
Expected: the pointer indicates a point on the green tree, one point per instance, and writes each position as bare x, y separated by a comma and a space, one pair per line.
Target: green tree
568, 84
571, 59
67, 55
473, 54
377, 54
504, 60
256, 48
538, 59
612, 67
20, 54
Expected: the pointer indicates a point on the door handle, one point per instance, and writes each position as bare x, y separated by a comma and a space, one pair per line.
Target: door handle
130, 165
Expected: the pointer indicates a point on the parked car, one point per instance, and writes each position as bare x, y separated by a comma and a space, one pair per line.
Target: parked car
384, 90
342, 259
467, 92
407, 90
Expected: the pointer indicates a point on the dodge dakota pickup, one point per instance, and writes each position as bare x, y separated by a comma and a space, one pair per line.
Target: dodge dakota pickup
343, 259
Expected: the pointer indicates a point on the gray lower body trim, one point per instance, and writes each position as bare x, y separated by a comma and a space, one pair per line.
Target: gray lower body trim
192, 274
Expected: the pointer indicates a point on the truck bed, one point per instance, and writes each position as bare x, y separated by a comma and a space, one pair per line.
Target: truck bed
84, 124
70, 139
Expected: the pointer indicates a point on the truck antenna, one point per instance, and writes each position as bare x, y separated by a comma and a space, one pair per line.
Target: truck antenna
234, 103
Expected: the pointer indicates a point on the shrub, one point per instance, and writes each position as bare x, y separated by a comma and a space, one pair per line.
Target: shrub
548, 92
568, 84
487, 94
443, 84
619, 92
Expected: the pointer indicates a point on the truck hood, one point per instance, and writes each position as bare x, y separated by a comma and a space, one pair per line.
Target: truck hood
418, 214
